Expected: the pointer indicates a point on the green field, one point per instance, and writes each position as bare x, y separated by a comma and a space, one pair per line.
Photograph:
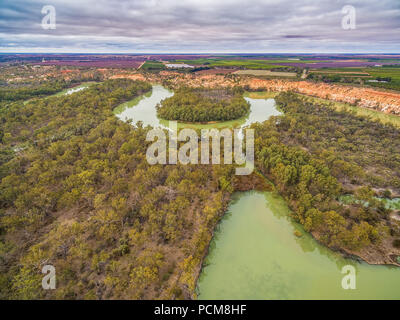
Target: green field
346, 75
339, 70
152, 66
370, 73
263, 72
345, 72
392, 72
241, 63
385, 72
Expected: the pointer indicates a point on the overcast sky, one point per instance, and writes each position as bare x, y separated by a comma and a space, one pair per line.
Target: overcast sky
191, 26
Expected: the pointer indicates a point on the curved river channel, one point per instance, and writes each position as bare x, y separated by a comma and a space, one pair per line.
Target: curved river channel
254, 253
143, 109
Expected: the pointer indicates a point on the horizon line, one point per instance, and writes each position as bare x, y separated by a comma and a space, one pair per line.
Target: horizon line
205, 53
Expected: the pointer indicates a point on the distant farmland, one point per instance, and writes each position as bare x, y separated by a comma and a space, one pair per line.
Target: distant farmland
386, 72
265, 73
106, 63
389, 74
215, 71
153, 66
248, 64
269, 63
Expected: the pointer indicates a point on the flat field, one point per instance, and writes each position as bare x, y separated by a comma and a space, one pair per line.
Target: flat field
265, 73
248, 64
153, 66
370, 73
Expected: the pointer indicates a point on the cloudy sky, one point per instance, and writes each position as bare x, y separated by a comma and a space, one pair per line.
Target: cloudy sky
195, 26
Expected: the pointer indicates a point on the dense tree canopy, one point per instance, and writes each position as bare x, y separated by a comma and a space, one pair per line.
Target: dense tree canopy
359, 151
31, 91
204, 105
314, 154
78, 193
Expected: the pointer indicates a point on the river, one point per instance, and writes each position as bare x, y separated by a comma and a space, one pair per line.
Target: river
143, 109
254, 253
72, 90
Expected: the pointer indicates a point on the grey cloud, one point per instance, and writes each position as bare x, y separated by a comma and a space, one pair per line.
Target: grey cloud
194, 25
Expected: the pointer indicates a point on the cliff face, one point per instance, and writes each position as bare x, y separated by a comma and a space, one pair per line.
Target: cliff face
388, 102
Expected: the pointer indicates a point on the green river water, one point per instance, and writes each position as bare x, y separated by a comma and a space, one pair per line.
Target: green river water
72, 90
67, 91
143, 109
254, 253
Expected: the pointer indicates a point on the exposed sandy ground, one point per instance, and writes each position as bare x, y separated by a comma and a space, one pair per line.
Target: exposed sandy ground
136, 76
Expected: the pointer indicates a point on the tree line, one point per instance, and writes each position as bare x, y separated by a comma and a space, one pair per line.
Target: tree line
8, 93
